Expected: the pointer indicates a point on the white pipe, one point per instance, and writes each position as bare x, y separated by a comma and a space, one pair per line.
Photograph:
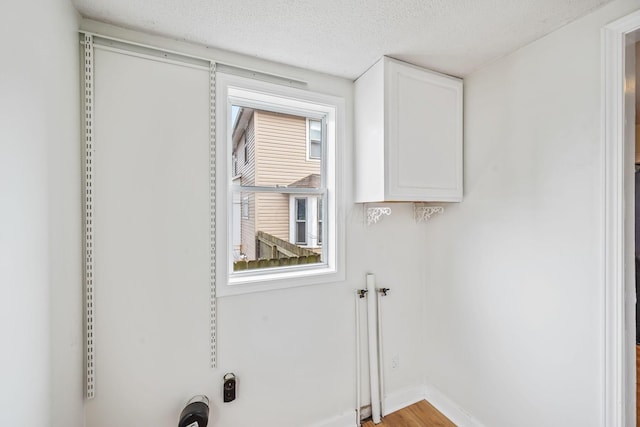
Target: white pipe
358, 379
380, 355
373, 348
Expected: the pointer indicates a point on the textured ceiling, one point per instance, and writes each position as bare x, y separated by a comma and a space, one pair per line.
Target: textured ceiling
345, 37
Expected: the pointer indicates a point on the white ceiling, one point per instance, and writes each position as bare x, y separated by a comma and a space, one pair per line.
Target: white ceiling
345, 37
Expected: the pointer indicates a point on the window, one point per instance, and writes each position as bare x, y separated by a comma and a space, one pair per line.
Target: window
245, 207
293, 236
301, 221
306, 221
314, 139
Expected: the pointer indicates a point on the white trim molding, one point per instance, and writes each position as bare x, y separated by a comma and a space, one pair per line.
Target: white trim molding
449, 409
402, 398
615, 395
346, 419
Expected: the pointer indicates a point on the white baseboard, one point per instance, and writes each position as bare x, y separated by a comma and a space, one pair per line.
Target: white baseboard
402, 398
408, 396
449, 409
347, 419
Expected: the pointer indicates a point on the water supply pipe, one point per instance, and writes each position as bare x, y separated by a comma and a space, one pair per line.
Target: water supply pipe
372, 325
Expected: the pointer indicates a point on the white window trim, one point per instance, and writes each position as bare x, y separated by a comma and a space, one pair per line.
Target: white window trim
308, 142
312, 104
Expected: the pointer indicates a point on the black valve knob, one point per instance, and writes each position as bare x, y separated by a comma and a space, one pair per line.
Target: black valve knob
196, 413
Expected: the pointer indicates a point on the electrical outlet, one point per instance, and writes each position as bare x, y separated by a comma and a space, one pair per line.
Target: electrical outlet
395, 362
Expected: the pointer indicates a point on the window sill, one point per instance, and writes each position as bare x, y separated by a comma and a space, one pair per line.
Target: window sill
268, 281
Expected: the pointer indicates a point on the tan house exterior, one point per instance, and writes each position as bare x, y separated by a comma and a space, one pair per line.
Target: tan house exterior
271, 150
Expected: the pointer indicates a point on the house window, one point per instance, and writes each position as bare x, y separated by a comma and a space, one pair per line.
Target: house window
235, 165
301, 221
314, 139
245, 207
306, 221
294, 202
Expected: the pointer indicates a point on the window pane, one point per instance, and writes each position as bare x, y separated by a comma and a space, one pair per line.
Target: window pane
301, 233
273, 226
272, 149
315, 130
301, 209
245, 207
315, 150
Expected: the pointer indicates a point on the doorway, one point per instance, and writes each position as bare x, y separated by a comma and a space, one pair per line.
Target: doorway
636, 67
619, 47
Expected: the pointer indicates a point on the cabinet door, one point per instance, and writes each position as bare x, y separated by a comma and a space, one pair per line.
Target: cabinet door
424, 135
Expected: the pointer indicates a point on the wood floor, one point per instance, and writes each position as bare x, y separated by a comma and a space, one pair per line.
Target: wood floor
420, 414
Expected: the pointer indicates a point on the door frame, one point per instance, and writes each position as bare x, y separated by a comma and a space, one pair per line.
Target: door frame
619, 395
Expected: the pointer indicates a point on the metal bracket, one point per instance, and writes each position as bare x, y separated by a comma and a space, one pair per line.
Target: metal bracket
362, 292
375, 214
383, 291
424, 213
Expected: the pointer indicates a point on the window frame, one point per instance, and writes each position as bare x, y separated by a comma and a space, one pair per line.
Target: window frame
236, 90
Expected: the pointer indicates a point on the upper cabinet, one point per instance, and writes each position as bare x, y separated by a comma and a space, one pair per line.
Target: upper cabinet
408, 134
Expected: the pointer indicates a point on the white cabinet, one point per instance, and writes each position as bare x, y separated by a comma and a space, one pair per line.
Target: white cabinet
408, 133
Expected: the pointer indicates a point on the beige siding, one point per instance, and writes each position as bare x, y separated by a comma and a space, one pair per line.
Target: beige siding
274, 214
281, 156
281, 159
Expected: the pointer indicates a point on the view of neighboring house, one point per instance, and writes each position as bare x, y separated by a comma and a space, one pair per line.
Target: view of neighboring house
277, 151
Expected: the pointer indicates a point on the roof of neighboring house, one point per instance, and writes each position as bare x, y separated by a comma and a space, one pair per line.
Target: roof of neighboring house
309, 181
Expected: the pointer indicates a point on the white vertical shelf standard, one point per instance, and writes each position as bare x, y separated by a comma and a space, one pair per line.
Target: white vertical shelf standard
212, 217
88, 217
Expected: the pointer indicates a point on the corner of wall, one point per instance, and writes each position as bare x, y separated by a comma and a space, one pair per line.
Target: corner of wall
449, 408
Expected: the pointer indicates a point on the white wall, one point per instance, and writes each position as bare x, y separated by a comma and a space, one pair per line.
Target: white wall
293, 349
514, 287
40, 366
